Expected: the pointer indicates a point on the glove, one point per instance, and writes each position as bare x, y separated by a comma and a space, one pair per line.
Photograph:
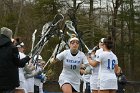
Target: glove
44, 78
88, 70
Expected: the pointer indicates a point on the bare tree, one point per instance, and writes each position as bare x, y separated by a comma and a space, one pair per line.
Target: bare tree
116, 5
131, 39
122, 38
19, 17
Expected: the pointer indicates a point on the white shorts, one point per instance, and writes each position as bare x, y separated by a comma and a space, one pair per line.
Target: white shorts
84, 86
38, 82
75, 85
94, 82
41, 88
85, 78
30, 85
108, 81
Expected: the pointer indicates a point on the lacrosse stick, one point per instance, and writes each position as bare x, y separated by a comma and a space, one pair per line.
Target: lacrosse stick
70, 27
33, 39
57, 50
46, 33
54, 52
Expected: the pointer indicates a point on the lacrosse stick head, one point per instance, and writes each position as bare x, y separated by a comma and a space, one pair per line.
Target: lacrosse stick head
38, 57
33, 35
59, 17
95, 48
70, 26
34, 32
45, 28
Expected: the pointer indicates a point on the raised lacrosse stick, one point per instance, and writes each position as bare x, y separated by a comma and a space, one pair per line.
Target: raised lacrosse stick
70, 27
33, 39
45, 32
57, 50
54, 52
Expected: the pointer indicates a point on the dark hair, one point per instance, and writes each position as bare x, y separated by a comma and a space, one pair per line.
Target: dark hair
95, 48
108, 42
18, 42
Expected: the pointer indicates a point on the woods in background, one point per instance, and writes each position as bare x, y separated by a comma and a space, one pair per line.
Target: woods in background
93, 19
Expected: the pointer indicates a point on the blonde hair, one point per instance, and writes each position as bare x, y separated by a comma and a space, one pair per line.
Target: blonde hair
73, 37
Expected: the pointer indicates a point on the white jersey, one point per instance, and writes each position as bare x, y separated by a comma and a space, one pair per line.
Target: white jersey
86, 79
37, 81
30, 81
107, 77
30, 84
71, 68
23, 83
95, 71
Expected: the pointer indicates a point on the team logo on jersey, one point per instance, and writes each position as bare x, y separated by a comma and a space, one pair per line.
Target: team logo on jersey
72, 61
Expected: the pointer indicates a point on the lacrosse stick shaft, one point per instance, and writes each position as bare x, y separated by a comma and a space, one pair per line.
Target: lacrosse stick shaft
39, 49
53, 54
33, 39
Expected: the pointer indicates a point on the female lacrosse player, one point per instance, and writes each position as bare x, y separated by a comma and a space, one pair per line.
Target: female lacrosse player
40, 77
94, 77
107, 60
69, 79
23, 83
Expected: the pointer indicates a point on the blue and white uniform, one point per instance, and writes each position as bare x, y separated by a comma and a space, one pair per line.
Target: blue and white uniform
71, 68
37, 81
107, 77
86, 79
23, 83
30, 80
95, 71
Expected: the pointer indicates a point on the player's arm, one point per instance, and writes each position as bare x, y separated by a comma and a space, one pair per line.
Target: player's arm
93, 63
58, 58
54, 60
116, 69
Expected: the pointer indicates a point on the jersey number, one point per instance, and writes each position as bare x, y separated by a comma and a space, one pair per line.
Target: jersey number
73, 67
111, 64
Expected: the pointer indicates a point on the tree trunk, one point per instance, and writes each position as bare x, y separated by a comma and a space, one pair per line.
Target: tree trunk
132, 26
19, 18
122, 39
116, 5
91, 22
